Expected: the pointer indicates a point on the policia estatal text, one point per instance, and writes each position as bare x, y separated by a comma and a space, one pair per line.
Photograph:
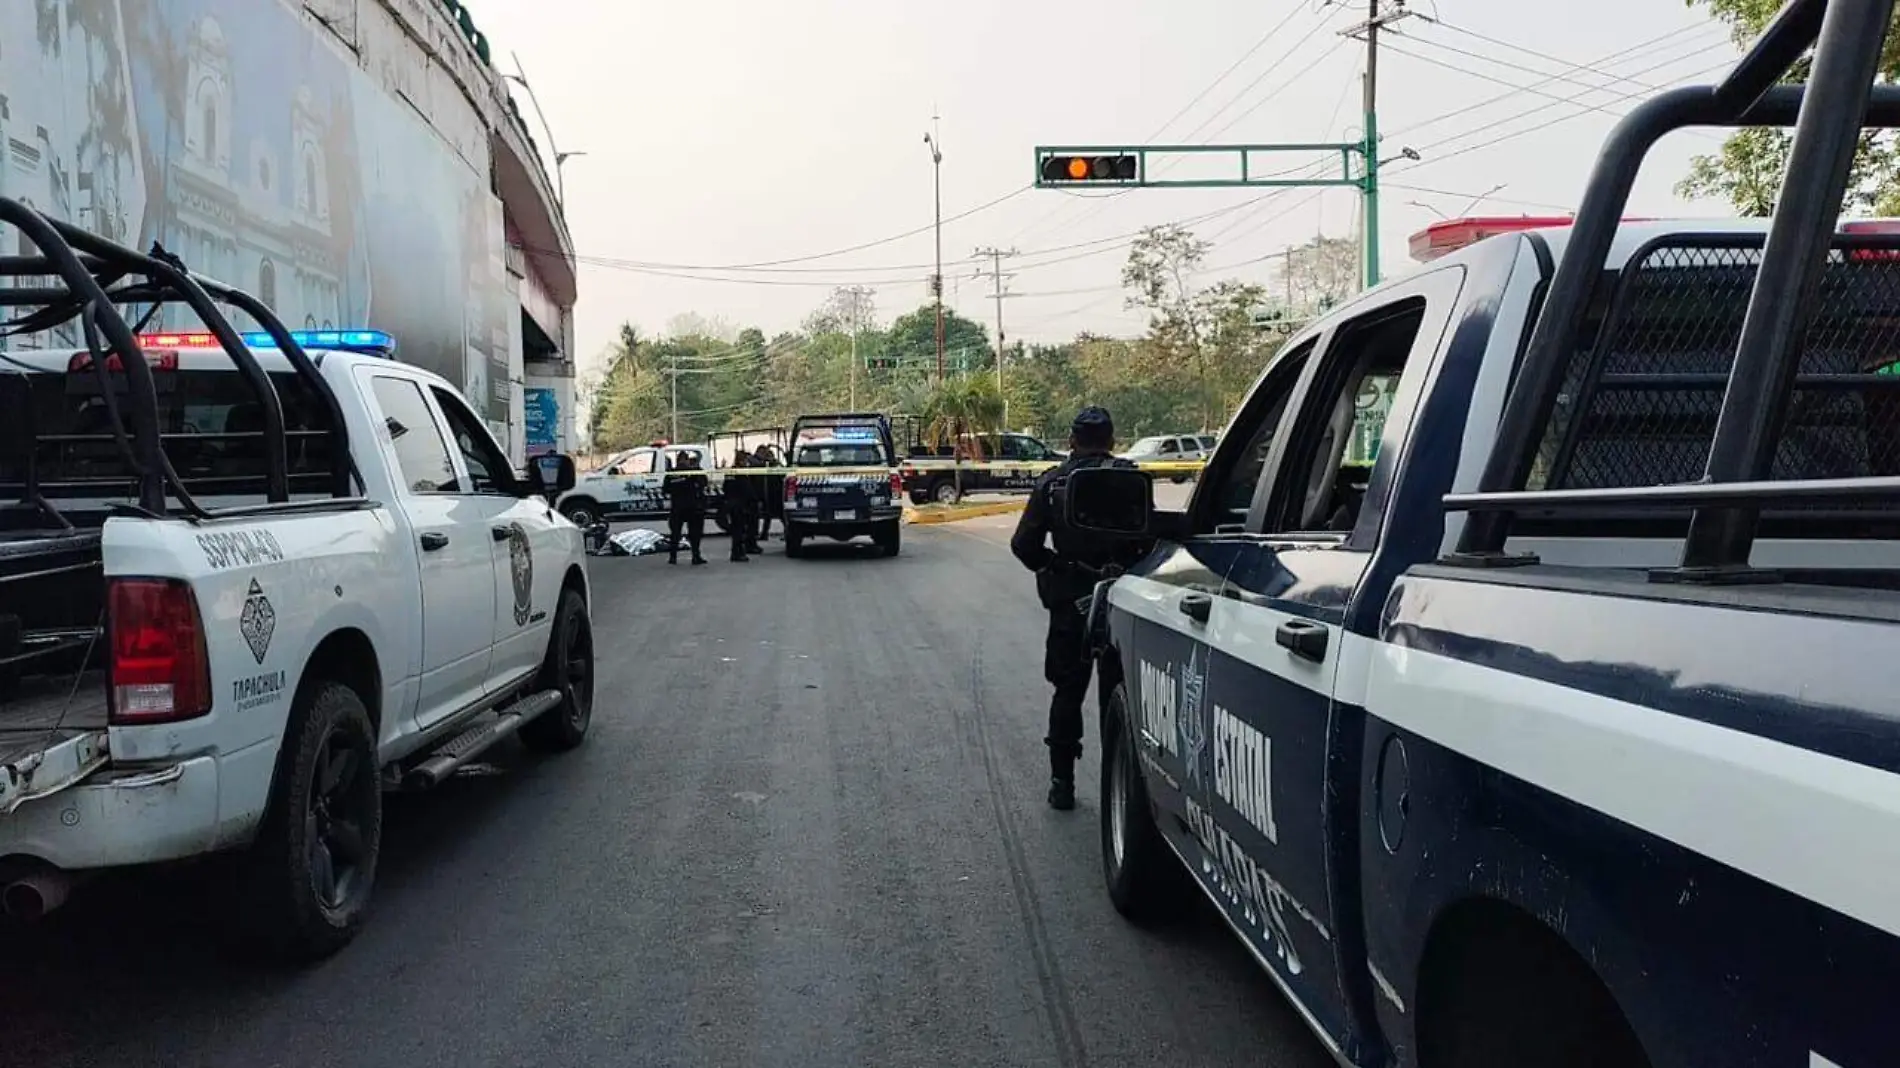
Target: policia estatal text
1064, 575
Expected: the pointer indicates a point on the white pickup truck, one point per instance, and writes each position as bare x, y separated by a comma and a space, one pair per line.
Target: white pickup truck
245, 588
628, 485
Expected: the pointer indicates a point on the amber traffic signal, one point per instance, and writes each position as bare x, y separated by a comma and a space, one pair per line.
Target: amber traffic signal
1090, 168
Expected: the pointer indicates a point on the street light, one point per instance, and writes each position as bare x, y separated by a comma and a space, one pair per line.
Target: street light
936, 280
520, 77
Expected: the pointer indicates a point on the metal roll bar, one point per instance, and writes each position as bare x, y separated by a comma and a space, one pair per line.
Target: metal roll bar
1827, 114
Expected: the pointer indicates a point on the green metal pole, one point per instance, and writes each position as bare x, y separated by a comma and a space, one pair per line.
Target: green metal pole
1371, 191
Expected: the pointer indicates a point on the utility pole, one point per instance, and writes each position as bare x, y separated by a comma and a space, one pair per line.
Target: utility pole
673, 372
1378, 14
997, 277
934, 142
856, 301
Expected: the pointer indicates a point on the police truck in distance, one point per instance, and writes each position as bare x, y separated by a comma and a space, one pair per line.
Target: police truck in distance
844, 482
246, 583
1566, 735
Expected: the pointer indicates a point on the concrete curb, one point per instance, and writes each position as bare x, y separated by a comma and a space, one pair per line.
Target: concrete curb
928, 514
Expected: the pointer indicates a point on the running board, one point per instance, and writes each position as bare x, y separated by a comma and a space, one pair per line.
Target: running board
477, 740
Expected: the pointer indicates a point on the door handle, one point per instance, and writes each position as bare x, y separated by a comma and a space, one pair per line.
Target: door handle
1196, 606
1303, 638
499, 533
433, 541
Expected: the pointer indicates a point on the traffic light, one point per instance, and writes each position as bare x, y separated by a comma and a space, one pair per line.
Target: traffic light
1065, 169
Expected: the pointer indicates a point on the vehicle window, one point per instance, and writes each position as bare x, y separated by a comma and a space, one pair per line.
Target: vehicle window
1169, 447
673, 458
640, 463
842, 455
422, 455
1238, 464
1327, 467
1015, 448
488, 470
1207, 443
211, 427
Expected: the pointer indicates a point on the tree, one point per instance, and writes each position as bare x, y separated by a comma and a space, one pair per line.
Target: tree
1320, 273
847, 308
912, 339
1748, 169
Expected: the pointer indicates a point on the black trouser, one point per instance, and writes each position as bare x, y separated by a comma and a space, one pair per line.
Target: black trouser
765, 521
743, 527
1066, 665
695, 524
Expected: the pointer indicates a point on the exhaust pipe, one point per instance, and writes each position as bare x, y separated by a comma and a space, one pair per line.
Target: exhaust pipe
33, 895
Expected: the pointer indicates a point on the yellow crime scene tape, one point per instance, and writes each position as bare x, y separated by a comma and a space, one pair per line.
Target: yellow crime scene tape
1035, 466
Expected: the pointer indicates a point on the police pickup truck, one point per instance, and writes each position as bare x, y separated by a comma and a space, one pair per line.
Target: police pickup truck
1011, 463
246, 583
1568, 736
843, 483
628, 485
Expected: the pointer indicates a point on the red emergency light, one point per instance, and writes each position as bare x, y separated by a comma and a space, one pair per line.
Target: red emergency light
1450, 235
157, 360
1875, 227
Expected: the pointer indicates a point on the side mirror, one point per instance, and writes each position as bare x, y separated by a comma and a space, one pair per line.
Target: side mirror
550, 475
1116, 501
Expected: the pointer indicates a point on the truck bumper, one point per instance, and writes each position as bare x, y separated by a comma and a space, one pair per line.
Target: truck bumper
814, 523
120, 816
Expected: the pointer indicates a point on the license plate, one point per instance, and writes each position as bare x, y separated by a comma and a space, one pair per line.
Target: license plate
808, 502
848, 513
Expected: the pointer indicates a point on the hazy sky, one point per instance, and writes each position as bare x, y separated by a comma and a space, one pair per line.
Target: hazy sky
747, 132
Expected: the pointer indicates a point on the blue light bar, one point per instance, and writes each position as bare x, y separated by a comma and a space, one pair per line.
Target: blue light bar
354, 340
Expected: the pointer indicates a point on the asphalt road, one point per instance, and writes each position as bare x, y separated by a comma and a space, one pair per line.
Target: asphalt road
807, 829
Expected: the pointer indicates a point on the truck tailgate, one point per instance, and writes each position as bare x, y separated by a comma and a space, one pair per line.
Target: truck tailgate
52, 735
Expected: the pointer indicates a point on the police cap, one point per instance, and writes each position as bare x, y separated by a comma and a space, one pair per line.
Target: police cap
1092, 421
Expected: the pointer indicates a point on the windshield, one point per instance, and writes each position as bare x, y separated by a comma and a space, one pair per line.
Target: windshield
841, 454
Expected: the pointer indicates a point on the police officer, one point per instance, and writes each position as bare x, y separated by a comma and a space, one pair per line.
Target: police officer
742, 496
685, 489
772, 501
1064, 575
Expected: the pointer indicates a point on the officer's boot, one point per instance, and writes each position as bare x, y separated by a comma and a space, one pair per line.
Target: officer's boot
1061, 781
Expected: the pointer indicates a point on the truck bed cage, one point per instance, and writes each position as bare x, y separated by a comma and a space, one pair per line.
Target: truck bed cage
1828, 114
98, 276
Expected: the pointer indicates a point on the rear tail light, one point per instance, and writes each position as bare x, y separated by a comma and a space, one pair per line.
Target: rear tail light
1877, 228
897, 483
159, 669
791, 487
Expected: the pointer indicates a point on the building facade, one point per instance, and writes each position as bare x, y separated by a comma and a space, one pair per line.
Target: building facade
350, 162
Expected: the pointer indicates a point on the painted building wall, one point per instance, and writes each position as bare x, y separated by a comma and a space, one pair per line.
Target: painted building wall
317, 158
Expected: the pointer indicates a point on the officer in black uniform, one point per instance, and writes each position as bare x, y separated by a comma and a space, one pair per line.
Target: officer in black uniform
742, 501
685, 489
1064, 575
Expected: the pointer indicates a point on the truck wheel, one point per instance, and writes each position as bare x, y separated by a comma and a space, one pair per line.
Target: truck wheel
890, 538
314, 861
1498, 987
569, 668
582, 513
1144, 880
945, 492
794, 541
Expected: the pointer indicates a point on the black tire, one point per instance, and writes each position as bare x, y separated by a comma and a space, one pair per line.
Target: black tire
326, 805
919, 497
582, 513
569, 668
794, 541
944, 491
1144, 879
890, 538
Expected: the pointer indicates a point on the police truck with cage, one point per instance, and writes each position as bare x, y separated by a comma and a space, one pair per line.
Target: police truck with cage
247, 581
1566, 735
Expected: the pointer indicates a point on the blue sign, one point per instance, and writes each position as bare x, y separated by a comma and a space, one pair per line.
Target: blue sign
541, 412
